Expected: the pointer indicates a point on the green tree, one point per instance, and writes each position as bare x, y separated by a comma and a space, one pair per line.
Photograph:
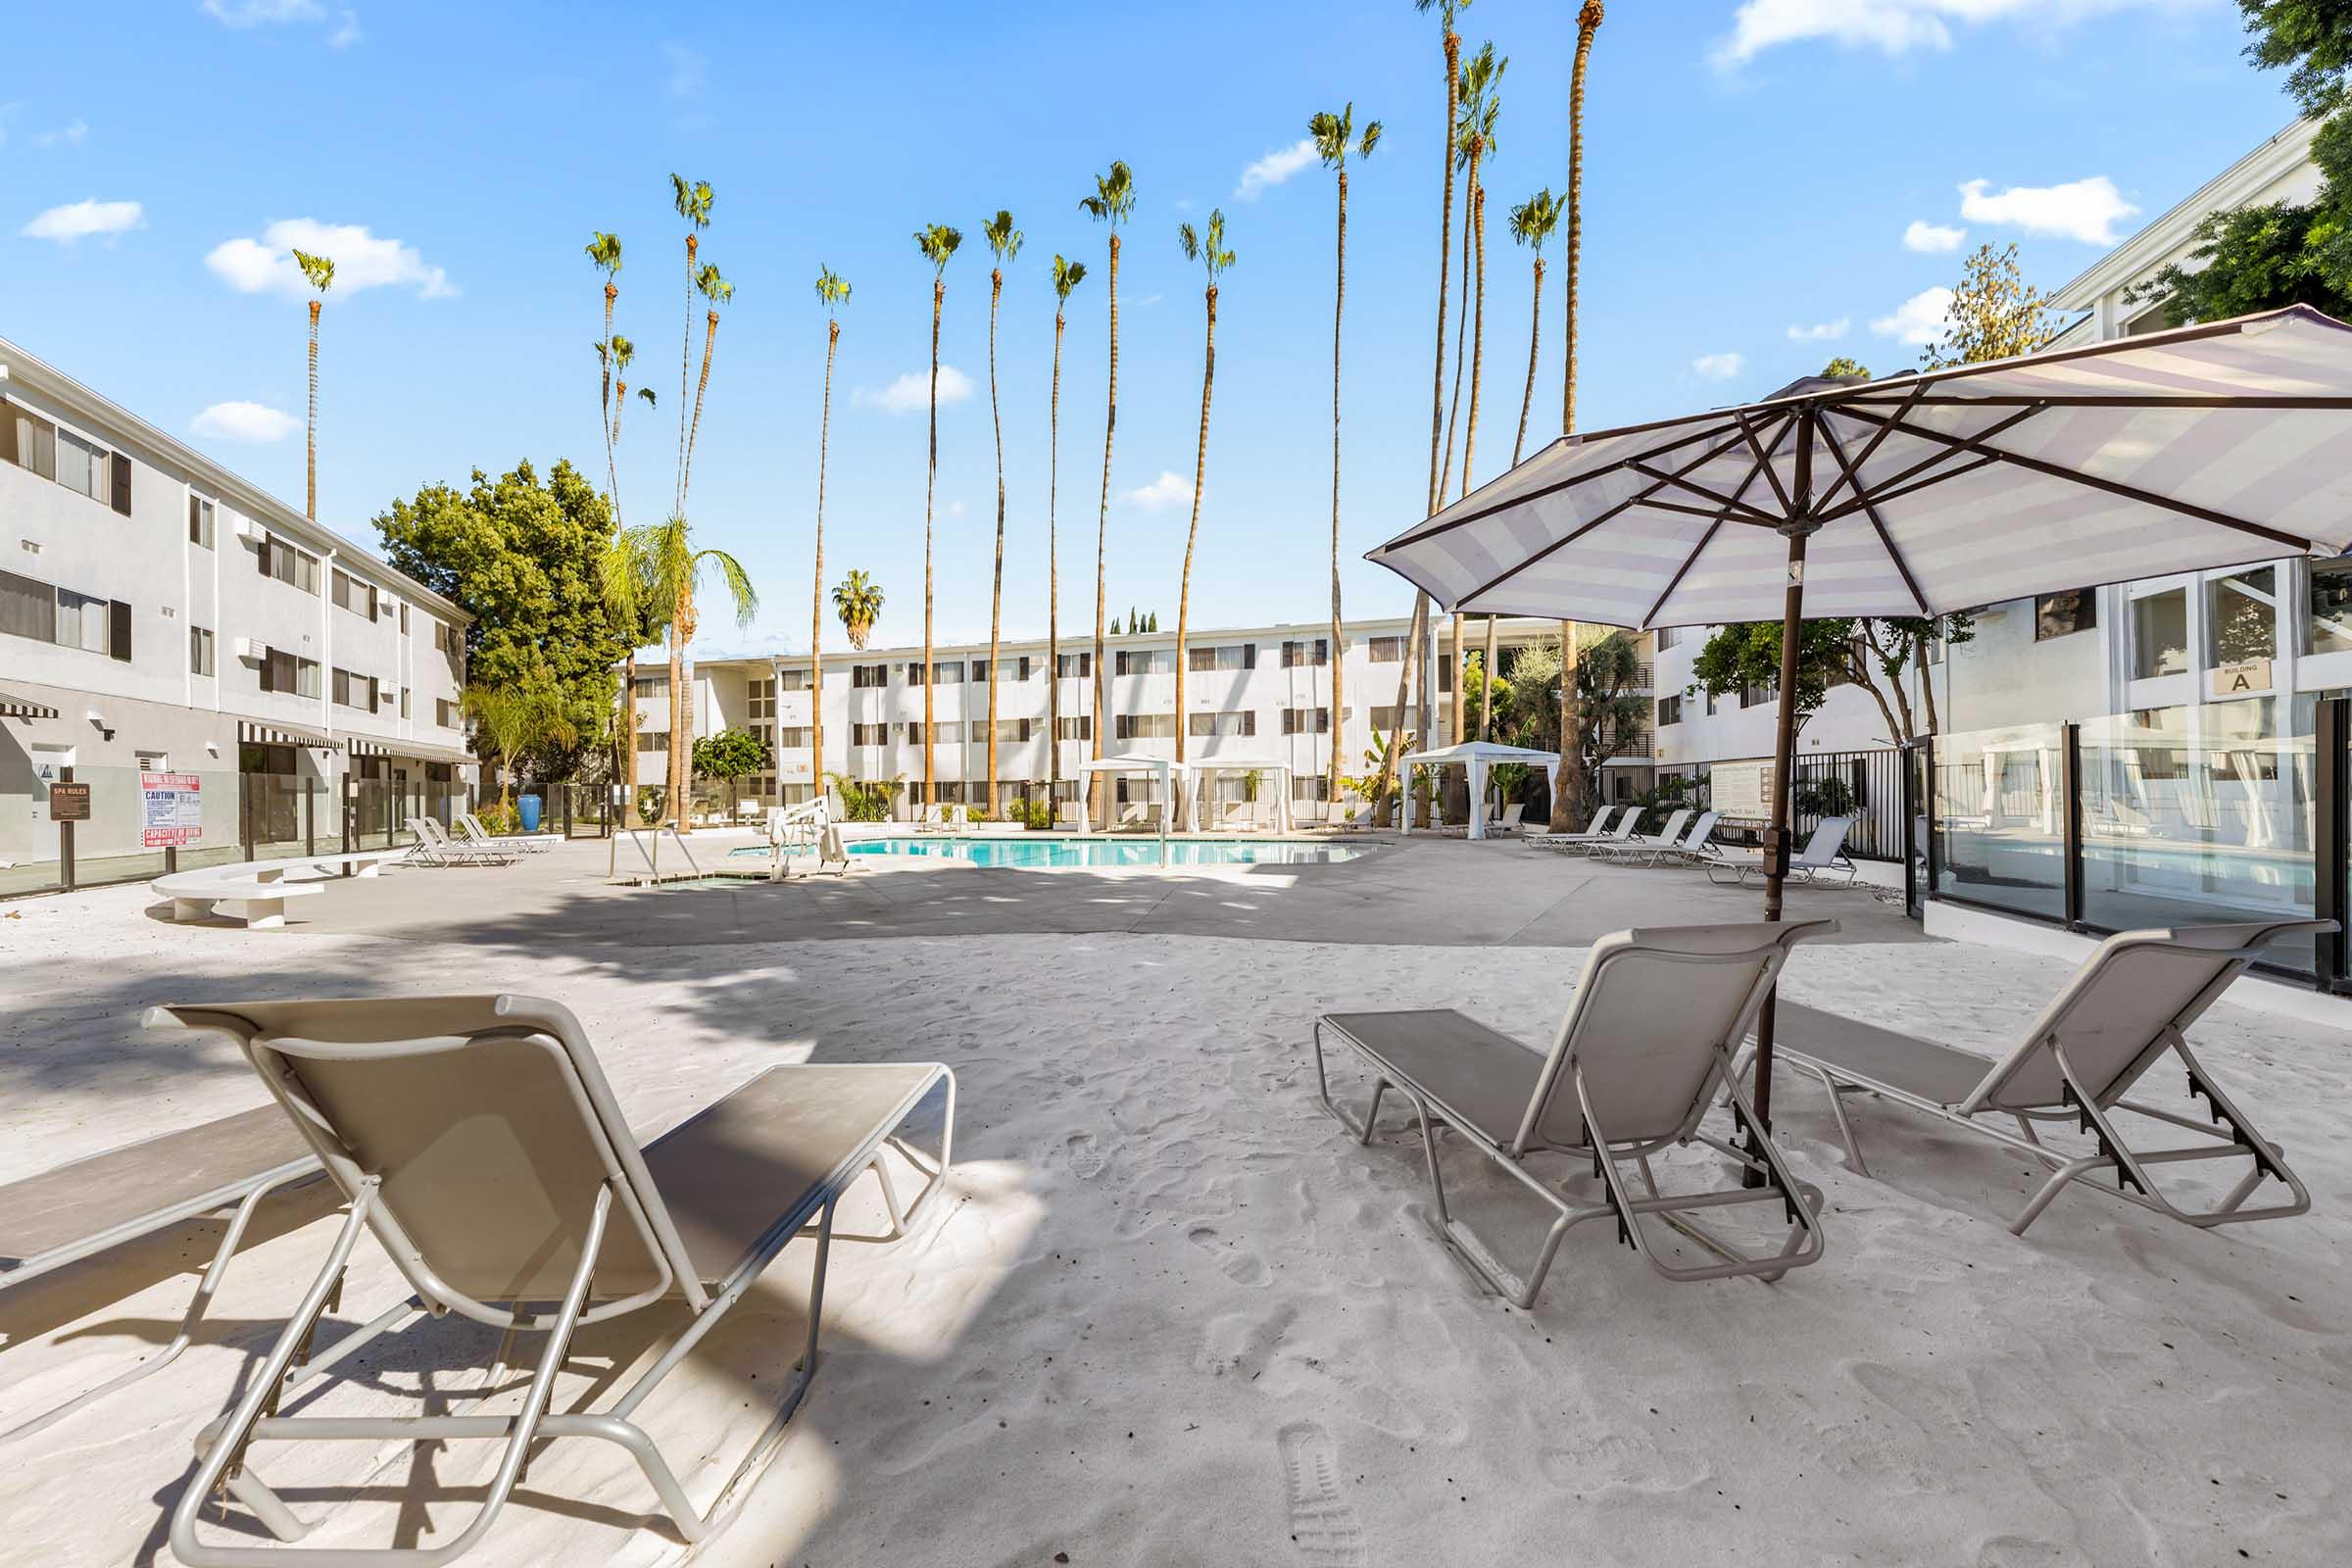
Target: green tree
510, 720
694, 200
319, 272
858, 601
1842, 368
731, 756
1532, 223
1208, 247
1111, 204
1994, 313
664, 557
1482, 106
1004, 243
2313, 37
604, 254
937, 243
1334, 140
1875, 654
832, 293
1570, 802
526, 559
1068, 276
625, 584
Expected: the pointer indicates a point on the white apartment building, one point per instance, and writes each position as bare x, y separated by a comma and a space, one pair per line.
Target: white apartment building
159, 614
2281, 629
1254, 695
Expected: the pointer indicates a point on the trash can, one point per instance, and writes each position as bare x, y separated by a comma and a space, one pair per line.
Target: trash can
527, 808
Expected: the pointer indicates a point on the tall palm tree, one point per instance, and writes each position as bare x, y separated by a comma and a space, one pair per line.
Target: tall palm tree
633, 606
1571, 801
1004, 242
1482, 105
1112, 203
1068, 276
671, 569
1207, 247
1473, 133
319, 272
858, 601
716, 291
624, 351
694, 201
937, 243
1532, 223
832, 293
1335, 139
604, 254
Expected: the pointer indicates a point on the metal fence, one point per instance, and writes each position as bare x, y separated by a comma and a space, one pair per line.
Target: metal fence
1867, 786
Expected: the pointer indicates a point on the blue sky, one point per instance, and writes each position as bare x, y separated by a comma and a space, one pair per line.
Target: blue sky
1760, 181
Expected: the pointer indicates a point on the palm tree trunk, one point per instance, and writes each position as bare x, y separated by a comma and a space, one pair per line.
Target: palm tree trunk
1053, 586
1477, 370
1486, 686
620, 401
686, 474
685, 368
1339, 305
1571, 793
626, 772
1534, 336
1461, 338
1110, 426
817, 598
939, 296
311, 443
1183, 592
605, 395
996, 593
680, 742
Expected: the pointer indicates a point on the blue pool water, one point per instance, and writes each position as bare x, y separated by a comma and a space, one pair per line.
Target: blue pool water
1029, 853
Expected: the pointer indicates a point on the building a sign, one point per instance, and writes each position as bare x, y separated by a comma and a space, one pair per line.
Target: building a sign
2246, 678
69, 803
171, 810
1740, 790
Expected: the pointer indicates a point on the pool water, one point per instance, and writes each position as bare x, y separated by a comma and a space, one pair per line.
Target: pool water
1033, 853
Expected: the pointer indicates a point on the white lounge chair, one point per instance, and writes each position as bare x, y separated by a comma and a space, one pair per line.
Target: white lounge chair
1641, 847
1598, 828
1509, 822
1696, 846
482, 838
1631, 1072
476, 1140
1626, 831
435, 847
2120, 1014
1822, 863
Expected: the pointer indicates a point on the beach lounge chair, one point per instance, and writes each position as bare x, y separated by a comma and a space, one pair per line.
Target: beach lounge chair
2122, 1011
481, 837
1696, 847
1509, 822
1593, 830
1633, 1071
1822, 863
1642, 847
437, 847
476, 1140
1626, 831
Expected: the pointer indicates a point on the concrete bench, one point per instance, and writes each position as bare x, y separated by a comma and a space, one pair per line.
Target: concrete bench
259, 890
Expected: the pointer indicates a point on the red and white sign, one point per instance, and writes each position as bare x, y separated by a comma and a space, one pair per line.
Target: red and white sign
171, 809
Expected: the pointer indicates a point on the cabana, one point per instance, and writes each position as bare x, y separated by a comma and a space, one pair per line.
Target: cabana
1477, 757
1159, 767
1199, 776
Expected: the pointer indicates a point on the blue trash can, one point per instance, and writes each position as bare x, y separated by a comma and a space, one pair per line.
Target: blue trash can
527, 808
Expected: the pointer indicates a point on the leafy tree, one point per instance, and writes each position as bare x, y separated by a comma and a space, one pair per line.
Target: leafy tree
1871, 653
1068, 276
1111, 204
1842, 368
2314, 37
510, 720
731, 756
858, 600
1005, 243
1208, 247
524, 557
1994, 313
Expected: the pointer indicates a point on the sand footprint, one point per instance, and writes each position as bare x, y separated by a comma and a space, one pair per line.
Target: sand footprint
1086, 1160
1243, 1268
1322, 1521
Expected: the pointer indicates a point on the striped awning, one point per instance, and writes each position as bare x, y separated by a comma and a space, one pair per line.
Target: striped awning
250, 733
1922, 494
15, 706
412, 750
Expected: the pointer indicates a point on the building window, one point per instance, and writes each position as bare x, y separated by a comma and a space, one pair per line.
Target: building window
289, 564
1306, 721
445, 714
863, 676
1756, 694
1668, 636
1315, 790
200, 521
1206, 726
445, 638
1670, 710
355, 691
283, 672
30, 442
1387, 650
404, 702
349, 593
92, 624
200, 650
2064, 614
1384, 719
945, 672
1232, 655
762, 700
404, 620
1081, 728
1077, 666
1007, 729
649, 686
1144, 726
792, 680
2330, 607
2160, 634
1144, 662
794, 736
653, 740
943, 734
2241, 616
1297, 653
868, 734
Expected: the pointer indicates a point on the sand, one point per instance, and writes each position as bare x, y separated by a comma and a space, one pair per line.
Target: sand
1168, 1314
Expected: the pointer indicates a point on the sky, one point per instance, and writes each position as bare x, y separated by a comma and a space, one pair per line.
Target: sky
1766, 185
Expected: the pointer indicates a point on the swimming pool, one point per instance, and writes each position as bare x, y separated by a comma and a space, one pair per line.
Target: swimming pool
1041, 851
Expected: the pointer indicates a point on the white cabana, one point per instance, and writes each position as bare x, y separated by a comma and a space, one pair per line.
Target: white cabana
1197, 777
1159, 767
1476, 757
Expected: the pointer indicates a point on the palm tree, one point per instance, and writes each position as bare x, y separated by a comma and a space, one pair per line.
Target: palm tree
1112, 203
672, 570
625, 581
1005, 241
937, 243
604, 254
832, 293
320, 272
1532, 223
858, 601
1570, 800
1335, 139
1482, 104
1068, 276
717, 291
694, 202
514, 718
624, 351
1473, 135
1208, 249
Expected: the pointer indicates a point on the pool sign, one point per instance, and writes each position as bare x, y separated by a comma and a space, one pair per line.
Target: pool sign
1742, 791
171, 809
69, 803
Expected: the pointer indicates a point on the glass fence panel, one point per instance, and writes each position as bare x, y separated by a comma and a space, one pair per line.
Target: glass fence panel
134, 818
2201, 815
1999, 817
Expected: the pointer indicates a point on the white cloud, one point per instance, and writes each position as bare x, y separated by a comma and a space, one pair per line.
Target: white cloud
348, 33
1275, 167
1933, 238
244, 422
263, 13
1165, 491
1821, 331
1719, 367
65, 135
1900, 26
361, 260
912, 393
1918, 319
687, 71
2084, 210
80, 219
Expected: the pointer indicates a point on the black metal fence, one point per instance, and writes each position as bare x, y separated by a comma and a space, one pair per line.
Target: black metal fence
1867, 786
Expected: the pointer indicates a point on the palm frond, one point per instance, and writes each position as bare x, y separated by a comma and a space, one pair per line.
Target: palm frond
604, 251
712, 286
1003, 238
737, 581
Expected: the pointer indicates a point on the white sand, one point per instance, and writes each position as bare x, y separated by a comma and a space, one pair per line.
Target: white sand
1170, 1314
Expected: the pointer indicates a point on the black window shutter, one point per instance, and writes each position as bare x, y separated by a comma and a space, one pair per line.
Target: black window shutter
122, 495
262, 555
1248, 655
119, 624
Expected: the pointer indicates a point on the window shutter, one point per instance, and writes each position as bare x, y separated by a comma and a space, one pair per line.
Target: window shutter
1248, 655
1322, 650
262, 556
123, 485
118, 623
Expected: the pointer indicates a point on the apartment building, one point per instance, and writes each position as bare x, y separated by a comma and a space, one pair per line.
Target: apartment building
161, 616
1254, 695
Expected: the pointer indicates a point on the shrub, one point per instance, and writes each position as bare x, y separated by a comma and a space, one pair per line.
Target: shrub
651, 800
496, 818
1035, 815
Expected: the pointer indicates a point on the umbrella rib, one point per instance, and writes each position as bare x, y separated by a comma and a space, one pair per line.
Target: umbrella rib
2095, 399
1869, 448
1433, 527
1887, 497
1862, 500
1764, 459
1942, 455
2186, 508
1729, 505
1714, 527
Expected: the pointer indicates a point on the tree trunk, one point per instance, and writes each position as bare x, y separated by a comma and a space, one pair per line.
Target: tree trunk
1486, 686
311, 442
939, 296
996, 594
685, 368
1534, 336
1338, 725
1098, 793
605, 397
1571, 799
1927, 682
1053, 585
1461, 340
694, 430
1477, 199
626, 772
620, 401
1183, 592
817, 598
680, 739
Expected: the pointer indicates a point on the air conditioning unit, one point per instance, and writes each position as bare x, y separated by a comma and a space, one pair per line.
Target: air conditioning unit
248, 529
252, 648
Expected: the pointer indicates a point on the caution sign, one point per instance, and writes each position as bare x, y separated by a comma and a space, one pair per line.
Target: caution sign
171, 810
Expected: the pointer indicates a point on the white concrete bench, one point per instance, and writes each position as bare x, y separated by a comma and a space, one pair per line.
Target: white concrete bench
262, 898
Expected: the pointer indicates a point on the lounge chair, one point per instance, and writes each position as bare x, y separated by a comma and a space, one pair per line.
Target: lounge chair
1357, 820
1626, 831
481, 837
1509, 822
1822, 863
477, 1141
1633, 1070
1641, 847
1695, 848
2122, 1011
439, 848
1593, 830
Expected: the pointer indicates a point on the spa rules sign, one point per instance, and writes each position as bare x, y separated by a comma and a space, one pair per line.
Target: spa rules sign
171, 809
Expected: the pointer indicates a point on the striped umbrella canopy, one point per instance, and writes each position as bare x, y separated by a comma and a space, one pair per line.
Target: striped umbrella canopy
1917, 495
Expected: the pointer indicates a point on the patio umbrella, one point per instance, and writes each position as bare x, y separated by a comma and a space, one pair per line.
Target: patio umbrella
1917, 495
